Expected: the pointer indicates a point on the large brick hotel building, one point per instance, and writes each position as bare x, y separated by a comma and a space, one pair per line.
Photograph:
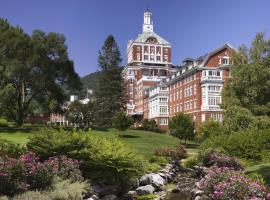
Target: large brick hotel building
158, 90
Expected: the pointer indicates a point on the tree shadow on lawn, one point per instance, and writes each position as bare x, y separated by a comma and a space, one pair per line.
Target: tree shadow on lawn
16, 130
129, 136
190, 146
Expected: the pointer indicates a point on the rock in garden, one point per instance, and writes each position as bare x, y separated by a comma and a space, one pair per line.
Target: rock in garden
110, 197
146, 179
93, 197
196, 192
129, 195
144, 190
106, 190
157, 181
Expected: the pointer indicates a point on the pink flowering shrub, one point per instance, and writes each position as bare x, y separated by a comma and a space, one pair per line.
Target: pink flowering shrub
174, 153
28, 173
224, 183
211, 158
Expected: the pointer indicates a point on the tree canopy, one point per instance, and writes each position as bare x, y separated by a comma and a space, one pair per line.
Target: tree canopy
182, 126
250, 86
246, 96
33, 68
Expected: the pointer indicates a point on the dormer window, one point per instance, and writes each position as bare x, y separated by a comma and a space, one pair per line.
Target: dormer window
224, 60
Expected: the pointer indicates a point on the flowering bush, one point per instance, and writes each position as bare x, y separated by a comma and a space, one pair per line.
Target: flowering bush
28, 173
224, 183
65, 168
177, 153
211, 157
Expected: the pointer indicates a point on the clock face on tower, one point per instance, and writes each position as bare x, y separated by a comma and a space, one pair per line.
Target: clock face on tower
151, 40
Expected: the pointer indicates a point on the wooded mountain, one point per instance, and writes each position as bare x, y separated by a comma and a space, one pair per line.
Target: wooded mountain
89, 81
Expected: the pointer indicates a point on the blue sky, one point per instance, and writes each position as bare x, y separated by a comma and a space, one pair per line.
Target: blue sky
193, 27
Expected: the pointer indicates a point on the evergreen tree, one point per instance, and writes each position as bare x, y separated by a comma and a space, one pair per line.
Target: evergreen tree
110, 91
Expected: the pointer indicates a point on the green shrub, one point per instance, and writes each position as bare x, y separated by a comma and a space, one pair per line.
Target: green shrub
151, 167
191, 162
3, 122
102, 160
149, 125
210, 128
251, 144
158, 159
122, 121
10, 149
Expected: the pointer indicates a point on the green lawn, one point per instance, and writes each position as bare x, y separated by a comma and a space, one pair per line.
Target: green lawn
145, 142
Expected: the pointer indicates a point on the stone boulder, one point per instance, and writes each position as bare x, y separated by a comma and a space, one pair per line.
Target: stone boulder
130, 195
154, 179
105, 190
110, 197
93, 197
144, 190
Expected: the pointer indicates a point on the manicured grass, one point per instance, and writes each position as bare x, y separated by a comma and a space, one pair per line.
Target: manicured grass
145, 142
16, 135
262, 169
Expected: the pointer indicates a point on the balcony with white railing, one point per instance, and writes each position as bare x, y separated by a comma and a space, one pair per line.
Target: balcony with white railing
211, 78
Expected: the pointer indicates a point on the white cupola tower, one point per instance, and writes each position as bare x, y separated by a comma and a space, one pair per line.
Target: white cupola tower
147, 21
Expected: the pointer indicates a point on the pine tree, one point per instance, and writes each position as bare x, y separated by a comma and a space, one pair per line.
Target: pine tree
110, 90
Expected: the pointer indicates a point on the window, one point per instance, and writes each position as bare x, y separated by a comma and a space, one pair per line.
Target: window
138, 49
195, 89
216, 116
163, 121
163, 110
145, 49
225, 60
180, 94
158, 58
163, 99
165, 50
138, 57
214, 101
145, 57
152, 58
166, 58
214, 88
195, 104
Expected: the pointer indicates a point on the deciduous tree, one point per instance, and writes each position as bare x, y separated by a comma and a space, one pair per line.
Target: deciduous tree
35, 67
182, 126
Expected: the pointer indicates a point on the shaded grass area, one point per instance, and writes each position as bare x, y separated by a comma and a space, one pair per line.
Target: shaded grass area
16, 135
262, 169
145, 142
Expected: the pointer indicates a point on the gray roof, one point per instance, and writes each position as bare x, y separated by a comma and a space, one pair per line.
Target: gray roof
145, 35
